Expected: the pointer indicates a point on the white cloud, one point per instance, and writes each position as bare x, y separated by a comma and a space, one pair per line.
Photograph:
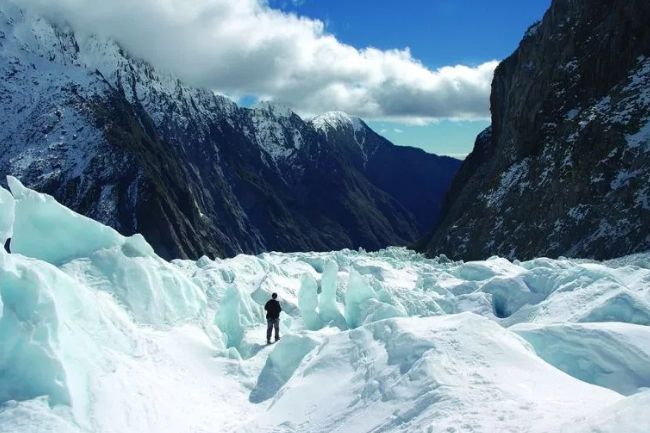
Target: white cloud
243, 47
397, 130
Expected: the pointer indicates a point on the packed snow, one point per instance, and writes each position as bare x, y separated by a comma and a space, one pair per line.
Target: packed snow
98, 334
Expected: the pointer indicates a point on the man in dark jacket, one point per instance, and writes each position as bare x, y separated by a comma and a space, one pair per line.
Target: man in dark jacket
273, 309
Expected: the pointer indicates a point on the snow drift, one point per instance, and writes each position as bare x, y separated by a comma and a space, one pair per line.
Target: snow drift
98, 334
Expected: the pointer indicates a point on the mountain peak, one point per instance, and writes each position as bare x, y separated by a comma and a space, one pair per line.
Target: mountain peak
277, 110
336, 120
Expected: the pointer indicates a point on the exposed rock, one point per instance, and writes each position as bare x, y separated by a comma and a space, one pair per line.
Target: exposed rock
565, 167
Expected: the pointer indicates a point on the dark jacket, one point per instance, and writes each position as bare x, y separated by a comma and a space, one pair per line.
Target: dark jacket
273, 309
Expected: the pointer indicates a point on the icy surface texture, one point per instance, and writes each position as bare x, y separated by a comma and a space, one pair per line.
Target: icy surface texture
7, 208
36, 416
97, 334
327, 306
613, 355
229, 317
441, 367
101, 258
46, 230
308, 302
54, 334
357, 297
629, 415
280, 365
30, 365
154, 291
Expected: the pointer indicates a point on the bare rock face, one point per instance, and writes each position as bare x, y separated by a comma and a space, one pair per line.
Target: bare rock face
112, 138
565, 167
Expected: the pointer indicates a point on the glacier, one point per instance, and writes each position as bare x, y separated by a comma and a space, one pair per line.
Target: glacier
99, 334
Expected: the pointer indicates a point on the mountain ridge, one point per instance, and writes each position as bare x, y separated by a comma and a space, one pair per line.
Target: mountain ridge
111, 137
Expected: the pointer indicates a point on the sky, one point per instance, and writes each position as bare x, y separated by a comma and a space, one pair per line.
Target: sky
417, 71
438, 33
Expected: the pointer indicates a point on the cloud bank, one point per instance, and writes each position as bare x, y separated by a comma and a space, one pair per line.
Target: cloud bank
244, 47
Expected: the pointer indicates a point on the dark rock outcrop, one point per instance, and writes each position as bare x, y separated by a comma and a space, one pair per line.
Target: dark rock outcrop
565, 167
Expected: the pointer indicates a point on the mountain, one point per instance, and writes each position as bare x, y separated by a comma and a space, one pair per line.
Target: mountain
138, 150
565, 167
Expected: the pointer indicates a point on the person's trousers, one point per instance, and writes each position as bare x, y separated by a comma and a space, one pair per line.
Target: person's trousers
270, 325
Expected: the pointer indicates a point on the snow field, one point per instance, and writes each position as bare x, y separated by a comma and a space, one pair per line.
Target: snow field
98, 334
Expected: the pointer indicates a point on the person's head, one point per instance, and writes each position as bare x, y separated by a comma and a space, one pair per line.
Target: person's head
274, 295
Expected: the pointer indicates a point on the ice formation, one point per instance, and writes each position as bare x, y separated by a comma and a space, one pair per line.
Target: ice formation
308, 302
611, 354
98, 334
328, 308
7, 212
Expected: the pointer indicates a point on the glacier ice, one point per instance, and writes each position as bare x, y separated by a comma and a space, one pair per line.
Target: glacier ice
36, 416
53, 332
328, 308
98, 334
280, 365
29, 333
357, 295
308, 302
7, 209
154, 290
441, 367
46, 230
100, 257
228, 317
629, 415
613, 355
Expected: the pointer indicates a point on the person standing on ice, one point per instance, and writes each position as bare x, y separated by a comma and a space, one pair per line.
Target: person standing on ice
273, 310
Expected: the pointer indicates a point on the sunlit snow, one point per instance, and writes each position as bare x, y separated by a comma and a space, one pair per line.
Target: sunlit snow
98, 334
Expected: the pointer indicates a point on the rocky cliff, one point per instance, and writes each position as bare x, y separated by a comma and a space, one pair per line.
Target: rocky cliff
565, 167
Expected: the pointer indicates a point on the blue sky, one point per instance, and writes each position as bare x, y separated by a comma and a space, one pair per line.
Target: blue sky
438, 33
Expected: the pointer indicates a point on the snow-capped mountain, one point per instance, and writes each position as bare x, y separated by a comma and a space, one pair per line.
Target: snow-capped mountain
565, 167
136, 149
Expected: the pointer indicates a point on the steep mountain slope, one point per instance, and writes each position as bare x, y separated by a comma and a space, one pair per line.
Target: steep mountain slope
406, 173
112, 138
565, 167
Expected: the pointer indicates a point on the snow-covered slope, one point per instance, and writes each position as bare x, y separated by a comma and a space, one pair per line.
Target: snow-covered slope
454, 372
98, 334
132, 147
